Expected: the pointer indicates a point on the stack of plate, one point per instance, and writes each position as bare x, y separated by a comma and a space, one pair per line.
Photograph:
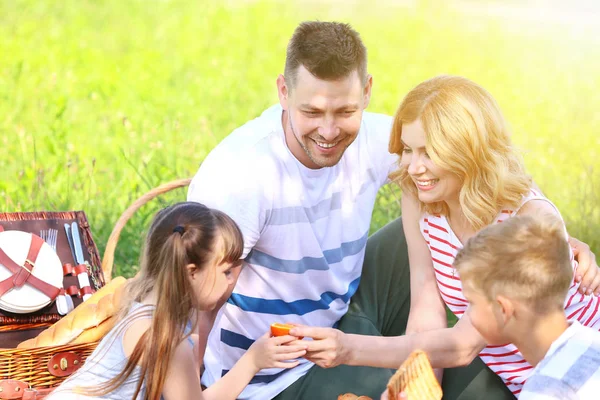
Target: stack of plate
48, 268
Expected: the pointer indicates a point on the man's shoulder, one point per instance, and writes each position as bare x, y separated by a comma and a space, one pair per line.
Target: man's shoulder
254, 134
250, 144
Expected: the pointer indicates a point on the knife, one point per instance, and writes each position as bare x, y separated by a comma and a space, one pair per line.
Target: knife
77, 243
83, 278
70, 240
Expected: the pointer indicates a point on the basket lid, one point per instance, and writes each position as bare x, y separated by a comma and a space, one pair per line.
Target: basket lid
47, 268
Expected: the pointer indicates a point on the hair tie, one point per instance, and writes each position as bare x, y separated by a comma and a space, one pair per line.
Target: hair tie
179, 229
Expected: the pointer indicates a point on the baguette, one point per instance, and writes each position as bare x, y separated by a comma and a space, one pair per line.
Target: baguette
89, 315
415, 377
352, 396
95, 333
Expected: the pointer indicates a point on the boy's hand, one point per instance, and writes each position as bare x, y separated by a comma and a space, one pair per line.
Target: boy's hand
587, 272
269, 352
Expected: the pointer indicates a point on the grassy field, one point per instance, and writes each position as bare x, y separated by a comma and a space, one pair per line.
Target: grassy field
102, 100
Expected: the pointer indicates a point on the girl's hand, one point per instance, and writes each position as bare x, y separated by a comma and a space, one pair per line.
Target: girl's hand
272, 352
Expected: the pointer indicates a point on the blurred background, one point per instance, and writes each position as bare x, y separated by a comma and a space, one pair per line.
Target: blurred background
102, 100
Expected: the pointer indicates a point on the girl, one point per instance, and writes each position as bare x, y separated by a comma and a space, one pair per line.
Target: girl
459, 173
190, 263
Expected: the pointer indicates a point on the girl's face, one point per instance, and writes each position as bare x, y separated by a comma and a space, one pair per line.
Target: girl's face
213, 284
434, 184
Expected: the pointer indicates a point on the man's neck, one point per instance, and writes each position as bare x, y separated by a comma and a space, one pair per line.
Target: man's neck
535, 339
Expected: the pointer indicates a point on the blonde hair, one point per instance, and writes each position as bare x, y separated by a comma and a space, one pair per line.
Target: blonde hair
467, 135
525, 257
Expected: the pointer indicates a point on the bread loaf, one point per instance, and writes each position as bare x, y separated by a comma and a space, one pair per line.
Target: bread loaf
96, 333
88, 318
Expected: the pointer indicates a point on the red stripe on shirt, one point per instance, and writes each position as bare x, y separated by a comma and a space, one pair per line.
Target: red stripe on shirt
571, 299
447, 275
515, 370
499, 354
448, 286
575, 312
443, 241
442, 252
441, 262
453, 298
586, 309
439, 228
506, 362
593, 314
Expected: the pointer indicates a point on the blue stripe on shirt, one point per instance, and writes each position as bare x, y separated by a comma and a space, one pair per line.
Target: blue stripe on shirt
332, 256
298, 214
552, 387
583, 369
298, 307
260, 378
234, 339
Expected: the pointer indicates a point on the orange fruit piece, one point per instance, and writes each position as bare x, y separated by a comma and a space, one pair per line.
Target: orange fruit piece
279, 329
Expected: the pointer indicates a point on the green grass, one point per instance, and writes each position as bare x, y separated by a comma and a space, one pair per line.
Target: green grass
101, 101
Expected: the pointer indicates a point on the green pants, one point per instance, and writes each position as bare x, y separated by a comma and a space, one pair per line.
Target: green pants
380, 307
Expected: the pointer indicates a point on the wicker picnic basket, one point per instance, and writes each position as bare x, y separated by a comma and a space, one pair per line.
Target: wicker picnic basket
33, 373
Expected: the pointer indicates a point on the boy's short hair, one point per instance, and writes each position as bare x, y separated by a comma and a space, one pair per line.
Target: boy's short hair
328, 50
524, 257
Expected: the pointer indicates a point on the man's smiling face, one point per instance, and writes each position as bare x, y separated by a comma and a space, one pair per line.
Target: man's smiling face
323, 117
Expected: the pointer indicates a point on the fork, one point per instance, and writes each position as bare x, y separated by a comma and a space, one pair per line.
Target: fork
50, 236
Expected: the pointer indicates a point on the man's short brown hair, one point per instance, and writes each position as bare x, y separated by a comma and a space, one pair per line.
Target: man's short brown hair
525, 258
328, 50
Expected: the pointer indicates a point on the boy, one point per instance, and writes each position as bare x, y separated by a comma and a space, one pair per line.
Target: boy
516, 276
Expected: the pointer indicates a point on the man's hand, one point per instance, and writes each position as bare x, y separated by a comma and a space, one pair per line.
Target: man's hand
587, 272
329, 347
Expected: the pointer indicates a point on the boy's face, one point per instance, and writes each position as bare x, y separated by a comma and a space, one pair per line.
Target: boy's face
323, 117
486, 316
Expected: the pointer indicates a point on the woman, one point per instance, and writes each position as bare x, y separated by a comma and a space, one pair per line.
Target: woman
459, 173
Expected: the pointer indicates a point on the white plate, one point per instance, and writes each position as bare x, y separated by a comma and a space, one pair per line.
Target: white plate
48, 268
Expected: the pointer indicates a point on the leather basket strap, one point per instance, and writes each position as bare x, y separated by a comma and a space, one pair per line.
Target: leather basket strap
36, 394
25, 271
12, 389
22, 273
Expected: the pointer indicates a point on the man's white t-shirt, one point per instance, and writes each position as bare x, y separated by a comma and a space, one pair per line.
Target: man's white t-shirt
304, 232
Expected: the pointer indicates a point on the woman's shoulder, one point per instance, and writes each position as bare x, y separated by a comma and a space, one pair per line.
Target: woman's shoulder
535, 202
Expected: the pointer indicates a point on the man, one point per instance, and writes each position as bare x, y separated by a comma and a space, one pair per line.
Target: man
301, 182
